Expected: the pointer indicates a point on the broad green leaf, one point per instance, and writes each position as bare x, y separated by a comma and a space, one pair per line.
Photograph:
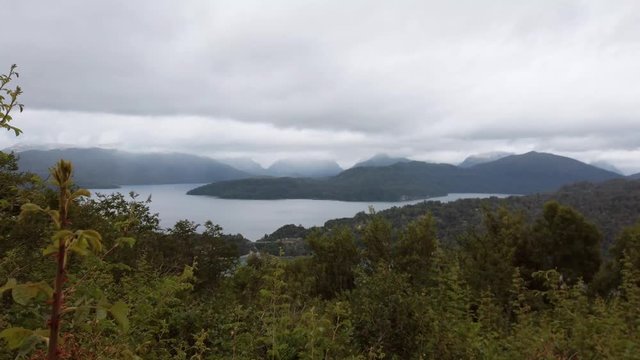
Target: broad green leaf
15, 336
62, 235
23, 293
94, 238
120, 311
80, 246
125, 241
29, 208
11, 283
30, 342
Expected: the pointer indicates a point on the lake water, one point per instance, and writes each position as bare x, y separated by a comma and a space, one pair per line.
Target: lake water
254, 218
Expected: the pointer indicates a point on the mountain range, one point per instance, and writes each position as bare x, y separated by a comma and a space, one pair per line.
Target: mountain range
513, 174
381, 177
103, 168
287, 167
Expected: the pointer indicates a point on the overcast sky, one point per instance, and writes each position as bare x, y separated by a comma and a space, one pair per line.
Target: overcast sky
431, 80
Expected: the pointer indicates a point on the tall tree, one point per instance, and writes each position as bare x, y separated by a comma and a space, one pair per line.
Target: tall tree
563, 240
416, 248
335, 257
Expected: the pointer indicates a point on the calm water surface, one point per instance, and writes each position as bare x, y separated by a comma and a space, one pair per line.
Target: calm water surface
254, 218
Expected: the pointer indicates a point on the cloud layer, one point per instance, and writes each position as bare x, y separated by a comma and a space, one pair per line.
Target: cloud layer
431, 80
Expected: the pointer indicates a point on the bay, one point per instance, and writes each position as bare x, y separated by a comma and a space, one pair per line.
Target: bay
254, 218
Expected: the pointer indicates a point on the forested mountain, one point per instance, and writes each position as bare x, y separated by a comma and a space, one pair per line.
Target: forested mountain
98, 168
380, 160
634, 176
515, 174
611, 205
304, 168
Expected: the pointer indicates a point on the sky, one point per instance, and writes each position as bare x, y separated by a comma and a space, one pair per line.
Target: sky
431, 80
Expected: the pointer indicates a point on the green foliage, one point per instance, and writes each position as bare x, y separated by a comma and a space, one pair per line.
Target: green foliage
378, 240
562, 239
416, 248
487, 254
9, 100
335, 257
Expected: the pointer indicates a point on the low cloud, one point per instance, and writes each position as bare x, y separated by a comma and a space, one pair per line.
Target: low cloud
427, 79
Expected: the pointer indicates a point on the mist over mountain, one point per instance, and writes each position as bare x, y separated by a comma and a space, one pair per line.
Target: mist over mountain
473, 160
514, 174
304, 168
245, 164
606, 166
100, 168
380, 160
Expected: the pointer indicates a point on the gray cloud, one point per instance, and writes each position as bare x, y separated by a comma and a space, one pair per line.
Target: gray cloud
429, 79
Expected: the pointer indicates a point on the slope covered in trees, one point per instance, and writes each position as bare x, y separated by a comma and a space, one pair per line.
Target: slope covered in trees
516, 174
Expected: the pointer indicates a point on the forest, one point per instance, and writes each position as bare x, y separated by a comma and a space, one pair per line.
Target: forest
85, 277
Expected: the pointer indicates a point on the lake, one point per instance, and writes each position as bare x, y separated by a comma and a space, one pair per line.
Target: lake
254, 218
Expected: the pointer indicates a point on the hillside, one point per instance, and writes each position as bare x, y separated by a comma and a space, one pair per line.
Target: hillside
611, 206
99, 168
516, 174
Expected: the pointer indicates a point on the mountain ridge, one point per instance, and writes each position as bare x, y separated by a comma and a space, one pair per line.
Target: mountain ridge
378, 160
515, 174
107, 168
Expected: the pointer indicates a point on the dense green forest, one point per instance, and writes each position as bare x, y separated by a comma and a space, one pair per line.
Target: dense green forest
100, 275
515, 174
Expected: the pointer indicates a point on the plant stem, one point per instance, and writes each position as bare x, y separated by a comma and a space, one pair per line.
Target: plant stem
58, 295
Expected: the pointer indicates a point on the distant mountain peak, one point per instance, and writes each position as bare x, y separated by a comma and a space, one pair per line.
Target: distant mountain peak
245, 164
298, 167
482, 158
380, 159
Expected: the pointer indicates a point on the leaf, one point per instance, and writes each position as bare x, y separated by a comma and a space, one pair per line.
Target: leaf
29, 344
125, 241
55, 216
92, 237
101, 309
120, 311
11, 283
61, 235
23, 293
15, 336
80, 247
29, 208
80, 192
51, 249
